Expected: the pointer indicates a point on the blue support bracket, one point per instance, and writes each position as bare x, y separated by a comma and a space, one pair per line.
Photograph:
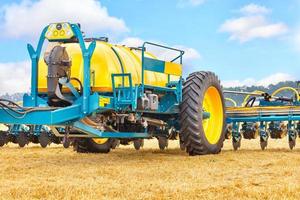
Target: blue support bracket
291, 131
124, 95
236, 135
87, 54
17, 128
262, 131
61, 116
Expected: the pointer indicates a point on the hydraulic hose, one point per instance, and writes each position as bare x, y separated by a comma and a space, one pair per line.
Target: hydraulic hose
19, 112
79, 82
248, 96
286, 88
232, 101
250, 102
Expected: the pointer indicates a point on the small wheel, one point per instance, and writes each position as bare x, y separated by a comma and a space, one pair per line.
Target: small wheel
292, 143
12, 138
44, 139
138, 144
115, 143
163, 142
92, 145
236, 144
66, 142
22, 139
263, 144
3, 138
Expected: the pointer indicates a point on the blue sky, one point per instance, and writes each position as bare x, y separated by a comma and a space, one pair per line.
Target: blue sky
246, 42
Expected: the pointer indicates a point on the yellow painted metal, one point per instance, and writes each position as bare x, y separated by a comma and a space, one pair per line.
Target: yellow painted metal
103, 101
59, 31
259, 92
105, 62
100, 140
286, 88
213, 126
232, 101
173, 68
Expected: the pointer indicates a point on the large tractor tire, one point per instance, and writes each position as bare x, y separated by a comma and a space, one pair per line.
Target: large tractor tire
92, 145
202, 114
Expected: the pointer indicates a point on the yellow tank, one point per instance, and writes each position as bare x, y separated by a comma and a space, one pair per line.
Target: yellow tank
105, 62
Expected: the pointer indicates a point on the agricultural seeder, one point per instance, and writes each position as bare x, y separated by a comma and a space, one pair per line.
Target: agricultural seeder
24, 134
99, 95
265, 116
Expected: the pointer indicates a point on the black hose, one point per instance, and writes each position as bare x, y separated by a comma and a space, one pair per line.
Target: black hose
76, 79
9, 109
11, 102
251, 100
10, 114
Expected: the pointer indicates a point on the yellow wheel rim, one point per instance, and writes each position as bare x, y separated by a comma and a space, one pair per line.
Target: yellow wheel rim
213, 126
100, 140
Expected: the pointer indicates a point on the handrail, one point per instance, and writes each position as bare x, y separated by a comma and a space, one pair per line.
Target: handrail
181, 52
164, 47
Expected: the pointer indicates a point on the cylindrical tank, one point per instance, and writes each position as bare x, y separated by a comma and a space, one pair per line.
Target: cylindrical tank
105, 62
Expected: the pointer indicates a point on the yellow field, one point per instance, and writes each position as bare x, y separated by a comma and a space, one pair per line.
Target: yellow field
56, 173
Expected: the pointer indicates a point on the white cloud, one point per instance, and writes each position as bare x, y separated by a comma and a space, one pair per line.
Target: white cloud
190, 54
272, 79
132, 42
15, 77
193, 3
253, 25
254, 9
27, 18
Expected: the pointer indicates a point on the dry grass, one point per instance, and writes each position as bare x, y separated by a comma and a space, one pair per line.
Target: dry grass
56, 173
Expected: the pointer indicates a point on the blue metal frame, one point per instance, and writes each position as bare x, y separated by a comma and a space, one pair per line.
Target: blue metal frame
124, 95
59, 116
17, 128
87, 53
263, 119
123, 98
